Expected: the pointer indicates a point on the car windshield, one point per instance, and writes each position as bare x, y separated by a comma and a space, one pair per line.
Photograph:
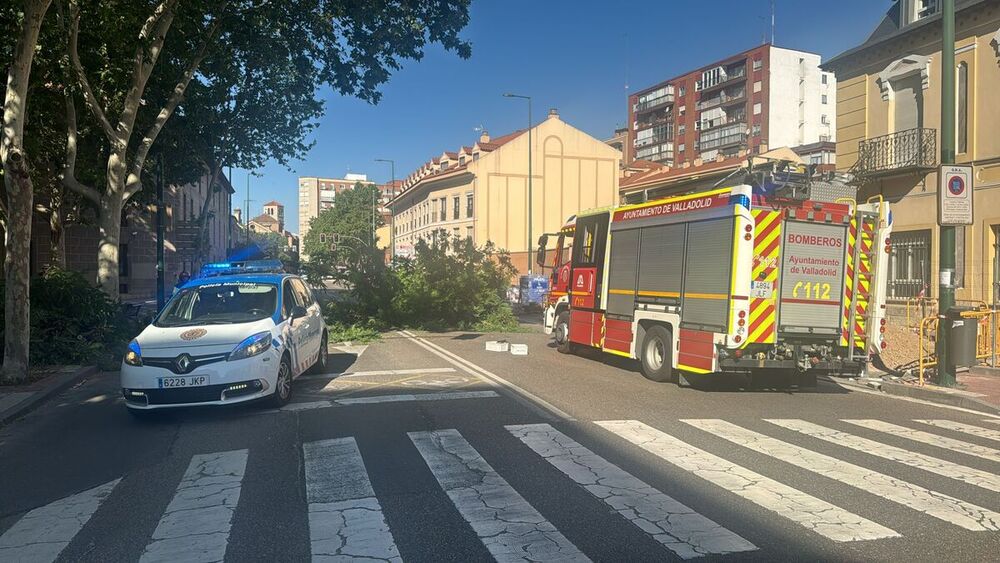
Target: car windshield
220, 303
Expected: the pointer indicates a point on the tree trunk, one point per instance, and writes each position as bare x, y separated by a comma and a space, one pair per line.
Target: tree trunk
57, 240
109, 224
19, 200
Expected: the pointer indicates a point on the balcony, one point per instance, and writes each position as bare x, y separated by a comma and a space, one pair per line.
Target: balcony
735, 134
731, 75
653, 103
725, 98
912, 150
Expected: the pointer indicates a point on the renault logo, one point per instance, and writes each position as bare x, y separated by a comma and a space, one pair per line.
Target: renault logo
183, 363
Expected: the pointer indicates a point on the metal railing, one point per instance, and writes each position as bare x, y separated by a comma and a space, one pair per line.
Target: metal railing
987, 337
912, 149
647, 104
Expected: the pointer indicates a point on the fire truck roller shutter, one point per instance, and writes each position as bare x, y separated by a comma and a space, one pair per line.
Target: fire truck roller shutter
623, 265
661, 264
708, 261
812, 278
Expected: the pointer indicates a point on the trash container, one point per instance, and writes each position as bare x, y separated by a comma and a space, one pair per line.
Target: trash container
961, 336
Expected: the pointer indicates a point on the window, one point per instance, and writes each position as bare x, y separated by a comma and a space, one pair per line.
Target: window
681, 91
962, 106
757, 86
824, 119
757, 64
302, 293
475, 156
468, 205
681, 130
756, 108
823, 78
457, 206
287, 300
680, 147
444, 209
681, 110
461, 160
756, 130
909, 264
823, 99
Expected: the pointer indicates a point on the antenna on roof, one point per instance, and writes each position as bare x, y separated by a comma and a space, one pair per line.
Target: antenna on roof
479, 129
772, 22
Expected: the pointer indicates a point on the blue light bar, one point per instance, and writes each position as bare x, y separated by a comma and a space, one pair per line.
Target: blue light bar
245, 267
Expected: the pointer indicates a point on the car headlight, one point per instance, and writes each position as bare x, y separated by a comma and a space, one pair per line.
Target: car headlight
252, 346
133, 356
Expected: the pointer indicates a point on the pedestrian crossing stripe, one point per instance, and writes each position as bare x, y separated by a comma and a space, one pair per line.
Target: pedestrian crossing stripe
346, 519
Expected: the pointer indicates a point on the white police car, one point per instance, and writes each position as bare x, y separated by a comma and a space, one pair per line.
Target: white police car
237, 333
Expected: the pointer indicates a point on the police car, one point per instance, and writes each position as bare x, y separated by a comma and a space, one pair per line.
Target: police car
238, 332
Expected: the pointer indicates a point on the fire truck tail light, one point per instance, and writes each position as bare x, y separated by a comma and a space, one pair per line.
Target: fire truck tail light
748, 228
737, 339
882, 329
882, 322
742, 322
742, 314
884, 345
747, 236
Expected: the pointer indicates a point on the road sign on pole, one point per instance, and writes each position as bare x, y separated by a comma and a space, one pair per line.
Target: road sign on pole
955, 195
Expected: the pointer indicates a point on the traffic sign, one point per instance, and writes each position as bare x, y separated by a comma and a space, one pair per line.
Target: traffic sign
955, 195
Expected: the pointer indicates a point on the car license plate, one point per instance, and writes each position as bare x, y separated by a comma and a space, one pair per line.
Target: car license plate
187, 381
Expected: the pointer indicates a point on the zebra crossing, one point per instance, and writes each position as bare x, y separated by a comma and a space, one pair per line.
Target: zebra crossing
348, 520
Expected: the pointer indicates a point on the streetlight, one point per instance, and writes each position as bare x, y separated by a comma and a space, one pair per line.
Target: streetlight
509, 95
392, 215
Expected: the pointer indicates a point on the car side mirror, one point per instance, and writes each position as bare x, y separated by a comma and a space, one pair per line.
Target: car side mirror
298, 312
543, 242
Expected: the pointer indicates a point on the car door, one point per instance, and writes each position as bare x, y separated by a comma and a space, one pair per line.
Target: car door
293, 330
311, 324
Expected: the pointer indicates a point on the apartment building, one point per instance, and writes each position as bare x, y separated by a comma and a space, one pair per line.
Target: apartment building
762, 98
889, 89
481, 191
317, 194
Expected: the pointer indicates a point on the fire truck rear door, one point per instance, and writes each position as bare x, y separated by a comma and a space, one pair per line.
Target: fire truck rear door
812, 279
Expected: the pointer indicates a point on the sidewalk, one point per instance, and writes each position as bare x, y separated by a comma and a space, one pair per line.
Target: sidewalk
17, 401
976, 390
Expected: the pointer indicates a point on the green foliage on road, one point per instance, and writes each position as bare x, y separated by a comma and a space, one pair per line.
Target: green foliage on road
449, 284
74, 322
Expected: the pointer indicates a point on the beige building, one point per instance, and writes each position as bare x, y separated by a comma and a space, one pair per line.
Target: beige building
317, 194
481, 191
888, 118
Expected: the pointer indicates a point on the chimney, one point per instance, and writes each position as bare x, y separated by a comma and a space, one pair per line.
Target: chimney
484, 137
553, 113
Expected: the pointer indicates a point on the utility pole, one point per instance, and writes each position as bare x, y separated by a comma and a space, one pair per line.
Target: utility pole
530, 243
946, 258
160, 273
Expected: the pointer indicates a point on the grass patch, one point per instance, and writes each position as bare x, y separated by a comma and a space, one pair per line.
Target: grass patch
359, 333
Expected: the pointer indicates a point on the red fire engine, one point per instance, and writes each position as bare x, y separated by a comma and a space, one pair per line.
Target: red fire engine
768, 276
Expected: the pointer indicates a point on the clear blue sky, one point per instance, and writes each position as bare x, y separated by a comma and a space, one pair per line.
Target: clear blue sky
574, 55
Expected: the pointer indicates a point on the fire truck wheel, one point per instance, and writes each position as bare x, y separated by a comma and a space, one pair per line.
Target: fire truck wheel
657, 355
561, 332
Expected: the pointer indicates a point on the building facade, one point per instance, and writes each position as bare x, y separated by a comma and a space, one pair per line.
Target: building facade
481, 191
317, 194
889, 118
137, 248
759, 99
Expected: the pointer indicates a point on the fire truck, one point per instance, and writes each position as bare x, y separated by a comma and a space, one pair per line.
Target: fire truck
780, 273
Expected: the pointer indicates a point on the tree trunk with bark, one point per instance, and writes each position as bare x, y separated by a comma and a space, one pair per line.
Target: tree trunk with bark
18, 199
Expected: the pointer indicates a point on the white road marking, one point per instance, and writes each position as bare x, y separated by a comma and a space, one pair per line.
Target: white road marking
417, 397
196, 523
938, 505
527, 398
928, 438
345, 517
984, 479
42, 534
343, 374
405, 398
814, 514
509, 527
679, 528
987, 433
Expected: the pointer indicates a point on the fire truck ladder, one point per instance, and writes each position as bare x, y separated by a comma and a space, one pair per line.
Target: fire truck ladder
862, 267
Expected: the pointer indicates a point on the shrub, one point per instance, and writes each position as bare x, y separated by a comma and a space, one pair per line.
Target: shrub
74, 322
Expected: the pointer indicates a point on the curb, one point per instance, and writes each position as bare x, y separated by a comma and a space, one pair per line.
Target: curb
59, 384
939, 396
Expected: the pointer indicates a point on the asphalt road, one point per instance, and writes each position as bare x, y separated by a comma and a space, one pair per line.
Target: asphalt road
429, 448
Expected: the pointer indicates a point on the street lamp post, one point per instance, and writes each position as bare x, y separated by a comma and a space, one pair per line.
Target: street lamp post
509, 95
392, 216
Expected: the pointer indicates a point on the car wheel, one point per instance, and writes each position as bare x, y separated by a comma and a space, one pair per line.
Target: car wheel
561, 333
283, 384
321, 360
656, 355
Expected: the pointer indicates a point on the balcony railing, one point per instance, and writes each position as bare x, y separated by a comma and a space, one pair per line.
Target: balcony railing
649, 104
909, 150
